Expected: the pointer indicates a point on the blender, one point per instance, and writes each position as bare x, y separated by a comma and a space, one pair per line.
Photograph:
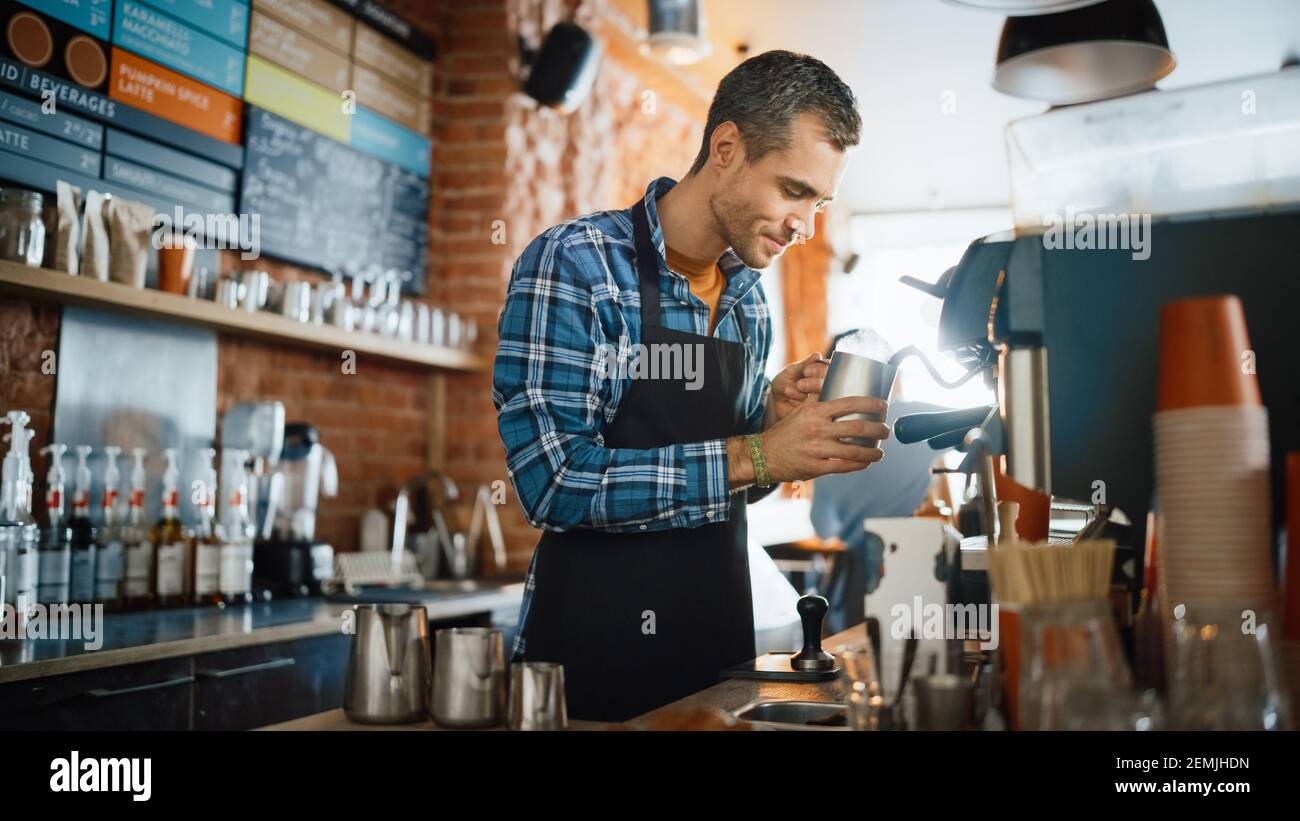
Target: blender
291, 561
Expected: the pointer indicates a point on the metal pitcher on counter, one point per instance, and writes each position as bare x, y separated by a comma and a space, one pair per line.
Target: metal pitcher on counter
469, 683
388, 669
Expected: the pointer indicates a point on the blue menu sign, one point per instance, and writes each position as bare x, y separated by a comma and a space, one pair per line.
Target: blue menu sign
165, 40
227, 19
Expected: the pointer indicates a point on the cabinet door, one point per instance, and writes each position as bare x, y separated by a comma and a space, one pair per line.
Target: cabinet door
150, 696
254, 686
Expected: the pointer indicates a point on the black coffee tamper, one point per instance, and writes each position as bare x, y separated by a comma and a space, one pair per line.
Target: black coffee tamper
812, 612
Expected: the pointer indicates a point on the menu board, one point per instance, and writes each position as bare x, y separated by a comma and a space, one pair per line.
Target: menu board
173, 96
48, 149
226, 19
162, 39
391, 25
64, 126
377, 51
298, 52
71, 97
331, 26
323, 204
88, 15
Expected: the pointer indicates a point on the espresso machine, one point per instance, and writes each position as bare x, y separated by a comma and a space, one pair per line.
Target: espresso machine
1068, 332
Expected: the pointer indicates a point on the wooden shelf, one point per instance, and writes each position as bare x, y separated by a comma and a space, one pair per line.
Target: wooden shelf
53, 286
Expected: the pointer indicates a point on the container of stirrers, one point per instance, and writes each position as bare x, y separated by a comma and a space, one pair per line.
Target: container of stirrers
1057, 632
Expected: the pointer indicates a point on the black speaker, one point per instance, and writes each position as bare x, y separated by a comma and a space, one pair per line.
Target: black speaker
564, 67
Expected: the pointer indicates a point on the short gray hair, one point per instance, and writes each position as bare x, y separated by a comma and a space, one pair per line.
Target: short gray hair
764, 95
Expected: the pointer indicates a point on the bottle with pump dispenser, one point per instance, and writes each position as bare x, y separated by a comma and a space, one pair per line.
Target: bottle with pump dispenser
237, 532
19, 535
81, 578
56, 541
170, 544
138, 586
110, 564
205, 546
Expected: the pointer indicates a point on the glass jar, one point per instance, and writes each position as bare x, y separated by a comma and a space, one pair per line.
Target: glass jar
1069, 652
22, 233
1226, 672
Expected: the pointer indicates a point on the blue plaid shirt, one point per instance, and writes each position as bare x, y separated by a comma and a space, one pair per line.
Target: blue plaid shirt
572, 301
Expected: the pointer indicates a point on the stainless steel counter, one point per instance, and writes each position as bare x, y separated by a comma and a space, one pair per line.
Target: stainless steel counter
128, 638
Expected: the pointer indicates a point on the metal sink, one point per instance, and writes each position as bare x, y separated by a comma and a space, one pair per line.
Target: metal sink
795, 715
495, 582
427, 590
461, 585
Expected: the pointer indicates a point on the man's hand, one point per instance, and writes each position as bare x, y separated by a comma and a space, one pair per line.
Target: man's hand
806, 443
794, 385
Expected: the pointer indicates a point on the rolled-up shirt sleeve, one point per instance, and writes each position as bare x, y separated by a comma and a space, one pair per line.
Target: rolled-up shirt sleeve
552, 395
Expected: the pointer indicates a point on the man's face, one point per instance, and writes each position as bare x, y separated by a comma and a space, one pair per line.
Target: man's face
759, 208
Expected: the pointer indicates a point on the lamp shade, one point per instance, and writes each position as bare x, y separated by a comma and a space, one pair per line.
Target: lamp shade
1016, 7
1105, 50
676, 31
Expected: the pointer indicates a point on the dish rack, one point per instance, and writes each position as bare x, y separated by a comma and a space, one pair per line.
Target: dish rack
352, 571
401, 567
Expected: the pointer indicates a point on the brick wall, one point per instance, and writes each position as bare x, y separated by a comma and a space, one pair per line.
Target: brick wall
503, 171
27, 330
530, 168
374, 421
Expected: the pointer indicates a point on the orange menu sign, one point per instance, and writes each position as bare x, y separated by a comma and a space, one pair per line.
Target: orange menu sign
171, 96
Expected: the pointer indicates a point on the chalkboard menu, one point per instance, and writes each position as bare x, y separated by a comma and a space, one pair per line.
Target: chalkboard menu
323, 204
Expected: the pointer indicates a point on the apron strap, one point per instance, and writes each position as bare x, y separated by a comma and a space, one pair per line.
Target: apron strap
647, 267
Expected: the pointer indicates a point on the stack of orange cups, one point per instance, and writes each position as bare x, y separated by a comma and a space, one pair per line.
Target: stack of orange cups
1212, 460
1291, 585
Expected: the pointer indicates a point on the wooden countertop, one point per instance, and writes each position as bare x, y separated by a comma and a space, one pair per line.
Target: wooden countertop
726, 695
734, 693
335, 720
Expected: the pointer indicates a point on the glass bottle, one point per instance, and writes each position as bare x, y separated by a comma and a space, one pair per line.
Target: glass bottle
19, 536
237, 533
138, 586
55, 552
169, 542
1148, 626
205, 547
110, 564
83, 545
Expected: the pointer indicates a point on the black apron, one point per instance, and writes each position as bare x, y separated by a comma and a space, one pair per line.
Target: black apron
642, 619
